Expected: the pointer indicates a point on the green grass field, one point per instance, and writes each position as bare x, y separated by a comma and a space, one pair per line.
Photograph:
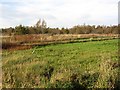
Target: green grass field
71, 65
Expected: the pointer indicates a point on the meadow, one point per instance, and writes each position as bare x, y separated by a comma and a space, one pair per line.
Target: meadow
70, 65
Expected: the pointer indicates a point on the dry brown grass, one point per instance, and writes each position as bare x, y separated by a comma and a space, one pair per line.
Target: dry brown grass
47, 37
17, 42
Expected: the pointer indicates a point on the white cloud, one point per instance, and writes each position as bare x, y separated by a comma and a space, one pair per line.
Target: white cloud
62, 13
119, 13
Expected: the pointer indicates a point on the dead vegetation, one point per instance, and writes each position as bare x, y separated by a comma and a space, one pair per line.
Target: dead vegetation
18, 42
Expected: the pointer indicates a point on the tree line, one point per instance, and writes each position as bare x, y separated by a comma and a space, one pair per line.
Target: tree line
41, 28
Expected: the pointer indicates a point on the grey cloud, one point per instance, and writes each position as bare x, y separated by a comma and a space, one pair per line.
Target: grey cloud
56, 12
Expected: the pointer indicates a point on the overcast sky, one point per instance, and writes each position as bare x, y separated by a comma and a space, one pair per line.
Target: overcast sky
58, 13
119, 13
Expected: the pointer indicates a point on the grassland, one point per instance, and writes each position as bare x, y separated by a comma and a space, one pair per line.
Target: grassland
70, 65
